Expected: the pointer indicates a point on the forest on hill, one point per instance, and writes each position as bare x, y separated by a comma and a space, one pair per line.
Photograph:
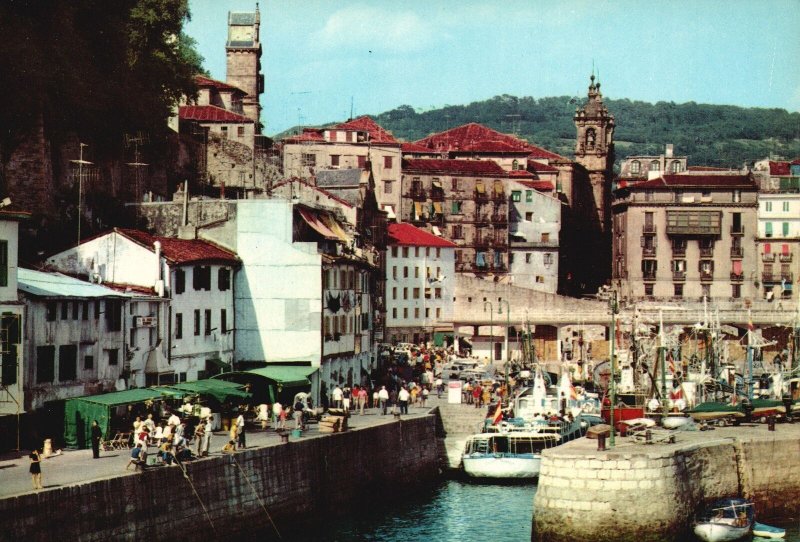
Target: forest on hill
710, 135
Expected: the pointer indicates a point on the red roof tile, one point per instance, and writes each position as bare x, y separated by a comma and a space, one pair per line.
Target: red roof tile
406, 234
539, 167
517, 173
541, 186
795, 162
779, 169
478, 138
484, 168
309, 134
377, 134
697, 181
204, 81
414, 148
182, 251
210, 113
706, 168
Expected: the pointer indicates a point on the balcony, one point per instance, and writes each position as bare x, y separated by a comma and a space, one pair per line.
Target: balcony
678, 276
649, 228
785, 258
499, 219
706, 276
777, 277
737, 252
706, 252
480, 197
737, 277
649, 252
737, 230
768, 257
481, 241
417, 194
437, 194
482, 218
648, 275
678, 252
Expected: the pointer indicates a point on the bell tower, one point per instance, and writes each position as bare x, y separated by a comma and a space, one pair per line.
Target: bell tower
594, 150
243, 52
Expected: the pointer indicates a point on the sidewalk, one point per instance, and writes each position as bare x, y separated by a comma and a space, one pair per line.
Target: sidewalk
77, 466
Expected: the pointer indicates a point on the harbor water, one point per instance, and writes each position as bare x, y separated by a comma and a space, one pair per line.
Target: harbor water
455, 510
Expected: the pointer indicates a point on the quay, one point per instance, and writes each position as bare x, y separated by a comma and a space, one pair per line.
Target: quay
651, 492
270, 487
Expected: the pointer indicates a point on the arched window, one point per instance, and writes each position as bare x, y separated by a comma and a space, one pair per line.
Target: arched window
675, 167
636, 167
591, 137
655, 166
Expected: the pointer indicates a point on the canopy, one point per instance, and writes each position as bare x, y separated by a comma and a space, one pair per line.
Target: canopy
80, 412
220, 390
267, 383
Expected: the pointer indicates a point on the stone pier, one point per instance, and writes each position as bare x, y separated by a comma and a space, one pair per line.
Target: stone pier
651, 492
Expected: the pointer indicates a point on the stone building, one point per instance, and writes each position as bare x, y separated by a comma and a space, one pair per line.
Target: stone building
243, 54
686, 237
420, 278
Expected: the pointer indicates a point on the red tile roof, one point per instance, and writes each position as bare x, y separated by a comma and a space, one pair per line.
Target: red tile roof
503, 147
697, 181
707, 168
309, 134
414, 148
541, 186
377, 134
539, 167
795, 162
314, 187
210, 113
779, 169
478, 138
520, 173
181, 251
204, 81
479, 168
406, 234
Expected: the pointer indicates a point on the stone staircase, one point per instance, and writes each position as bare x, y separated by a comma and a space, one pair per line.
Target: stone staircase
457, 423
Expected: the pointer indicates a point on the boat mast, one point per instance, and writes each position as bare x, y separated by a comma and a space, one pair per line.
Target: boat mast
662, 349
750, 348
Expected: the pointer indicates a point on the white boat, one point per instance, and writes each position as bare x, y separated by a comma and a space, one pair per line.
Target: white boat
725, 520
768, 531
514, 454
673, 422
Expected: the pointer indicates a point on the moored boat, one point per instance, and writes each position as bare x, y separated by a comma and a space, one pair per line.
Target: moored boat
768, 531
514, 454
725, 520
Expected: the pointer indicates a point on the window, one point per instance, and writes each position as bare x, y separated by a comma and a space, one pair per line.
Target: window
394, 252
516, 196
76, 309
240, 131
767, 231
405, 271
45, 363
438, 255
649, 268
458, 231
456, 184
394, 313
394, 272
196, 322
224, 279
416, 272
675, 166
529, 196
529, 216
201, 277
223, 320
113, 315
648, 195
394, 292
85, 310
648, 290
427, 312
405, 293
539, 279
677, 290
405, 252
362, 162
180, 281
50, 311
96, 310
428, 293
636, 167
785, 210
207, 330
737, 223
548, 258
88, 362
3, 263
455, 207
112, 356
67, 362
387, 162
308, 160
416, 293
437, 293
64, 310
178, 325
737, 196
786, 229
224, 132
736, 291
387, 187
335, 160
416, 252
416, 312
528, 257
655, 166
438, 312
706, 290
405, 313
545, 237
768, 205
515, 165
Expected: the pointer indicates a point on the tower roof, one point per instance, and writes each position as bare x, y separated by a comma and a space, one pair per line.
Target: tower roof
594, 107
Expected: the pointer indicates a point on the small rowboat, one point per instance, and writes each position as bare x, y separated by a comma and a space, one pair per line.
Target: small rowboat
768, 531
673, 422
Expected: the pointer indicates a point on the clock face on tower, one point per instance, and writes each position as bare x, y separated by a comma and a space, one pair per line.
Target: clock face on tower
240, 34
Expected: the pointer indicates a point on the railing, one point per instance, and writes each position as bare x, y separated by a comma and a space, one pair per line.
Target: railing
737, 252
648, 251
437, 194
737, 230
417, 195
706, 252
649, 228
481, 197
785, 258
678, 252
678, 276
706, 276
737, 277
649, 275
499, 220
768, 257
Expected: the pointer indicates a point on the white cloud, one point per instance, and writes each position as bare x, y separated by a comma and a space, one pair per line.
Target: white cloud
375, 29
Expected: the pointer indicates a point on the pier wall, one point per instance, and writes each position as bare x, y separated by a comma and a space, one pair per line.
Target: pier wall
649, 493
327, 475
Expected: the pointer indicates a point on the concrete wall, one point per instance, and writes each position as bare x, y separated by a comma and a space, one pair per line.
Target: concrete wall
653, 493
330, 475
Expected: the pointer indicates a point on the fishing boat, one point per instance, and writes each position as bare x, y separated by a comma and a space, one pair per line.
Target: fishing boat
513, 454
768, 531
725, 520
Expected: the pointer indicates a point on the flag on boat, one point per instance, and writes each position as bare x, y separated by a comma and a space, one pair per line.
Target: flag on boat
498, 413
676, 393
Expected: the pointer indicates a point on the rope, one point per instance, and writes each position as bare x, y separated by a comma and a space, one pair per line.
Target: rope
263, 506
205, 510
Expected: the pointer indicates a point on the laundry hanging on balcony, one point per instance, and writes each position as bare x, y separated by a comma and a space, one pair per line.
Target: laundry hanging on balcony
334, 303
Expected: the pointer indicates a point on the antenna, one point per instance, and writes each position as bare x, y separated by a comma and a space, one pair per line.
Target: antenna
351, 107
80, 161
140, 138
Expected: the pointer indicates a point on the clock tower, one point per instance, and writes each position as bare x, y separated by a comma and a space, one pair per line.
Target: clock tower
243, 51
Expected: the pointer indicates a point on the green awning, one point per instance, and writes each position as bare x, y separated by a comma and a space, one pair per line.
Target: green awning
268, 383
288, 376
126, 397
220, 390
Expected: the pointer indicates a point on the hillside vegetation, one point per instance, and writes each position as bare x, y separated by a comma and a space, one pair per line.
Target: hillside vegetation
710, 135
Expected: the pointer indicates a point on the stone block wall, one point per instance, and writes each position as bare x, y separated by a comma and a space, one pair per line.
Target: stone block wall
328, 475
653, 493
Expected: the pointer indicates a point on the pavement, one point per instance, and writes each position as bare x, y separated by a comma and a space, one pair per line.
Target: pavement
72, 467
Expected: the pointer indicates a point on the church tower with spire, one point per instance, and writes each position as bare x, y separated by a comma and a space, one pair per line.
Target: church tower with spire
594, 151
243, 52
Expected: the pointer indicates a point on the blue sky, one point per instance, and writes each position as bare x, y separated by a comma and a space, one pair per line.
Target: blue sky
318, 55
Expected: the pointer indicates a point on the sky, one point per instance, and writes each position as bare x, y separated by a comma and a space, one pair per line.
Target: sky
321, 57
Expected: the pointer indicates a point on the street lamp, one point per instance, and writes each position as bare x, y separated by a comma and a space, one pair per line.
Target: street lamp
491, 329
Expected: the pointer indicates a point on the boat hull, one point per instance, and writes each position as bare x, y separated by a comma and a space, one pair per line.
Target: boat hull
716, 532
768, 531
673, 422
501, 466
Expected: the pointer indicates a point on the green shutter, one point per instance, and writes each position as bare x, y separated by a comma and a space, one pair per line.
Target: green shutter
786, 229
768, 229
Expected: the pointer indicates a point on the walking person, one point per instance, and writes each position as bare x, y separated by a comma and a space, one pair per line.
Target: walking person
208, 431
362, 399
97, 435
240, 434
200, 433
337, 397
36, 469
298, 414
403, 398
276, 414
383, 398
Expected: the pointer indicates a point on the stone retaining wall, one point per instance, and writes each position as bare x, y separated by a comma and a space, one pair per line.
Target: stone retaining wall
328, 475
652, 493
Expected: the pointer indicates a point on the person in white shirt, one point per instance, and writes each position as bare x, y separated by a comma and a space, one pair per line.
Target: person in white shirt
337, 397
402, 398
383, 397
276, 414
240, 430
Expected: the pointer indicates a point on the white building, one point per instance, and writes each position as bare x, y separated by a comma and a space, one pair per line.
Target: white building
74, 337
420, 274
191, 337
534, 226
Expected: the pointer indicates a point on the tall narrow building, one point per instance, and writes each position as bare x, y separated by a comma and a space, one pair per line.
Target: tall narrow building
243, 52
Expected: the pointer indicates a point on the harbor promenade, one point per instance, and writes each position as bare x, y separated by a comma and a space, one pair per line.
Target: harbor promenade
651, 492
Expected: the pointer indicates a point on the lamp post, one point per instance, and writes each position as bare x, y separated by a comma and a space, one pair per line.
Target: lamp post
491, 329
614, 308
508, 325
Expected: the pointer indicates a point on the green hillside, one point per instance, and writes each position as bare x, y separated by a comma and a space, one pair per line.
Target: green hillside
710, 135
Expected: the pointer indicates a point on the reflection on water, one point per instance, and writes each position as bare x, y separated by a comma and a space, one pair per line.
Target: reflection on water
453, 511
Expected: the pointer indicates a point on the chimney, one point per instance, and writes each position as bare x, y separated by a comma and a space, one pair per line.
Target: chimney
668, 152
